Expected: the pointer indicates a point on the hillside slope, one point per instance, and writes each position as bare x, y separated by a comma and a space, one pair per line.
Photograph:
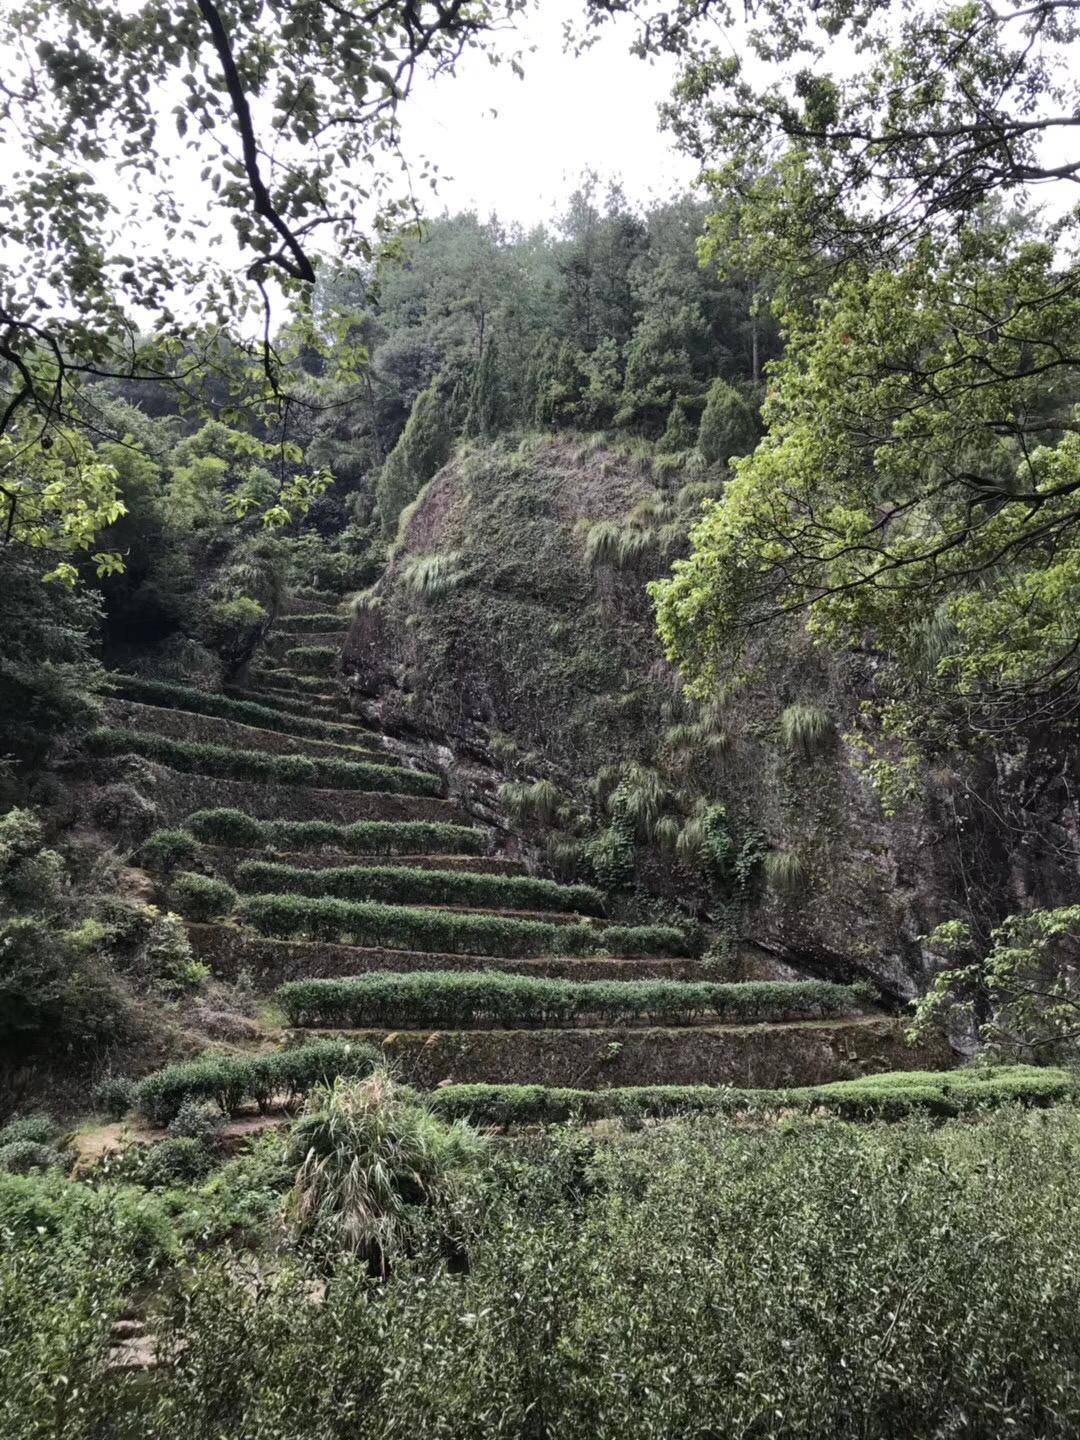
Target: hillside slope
515, 604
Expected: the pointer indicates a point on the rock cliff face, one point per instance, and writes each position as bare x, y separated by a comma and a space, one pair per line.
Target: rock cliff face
499, 614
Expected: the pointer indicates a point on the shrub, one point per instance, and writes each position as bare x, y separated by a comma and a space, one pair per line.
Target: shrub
257, 765
38, 1128
201, 897
115, 1096
121, 808
729, 424
227, 827
233, 627
454, 998
178, 1160
167, 850
419, 887
314, 659
611, 856
195, 1120
422, 448
400, 928
20, 1157
370, 1158
229, 1081
408, 837
54, 997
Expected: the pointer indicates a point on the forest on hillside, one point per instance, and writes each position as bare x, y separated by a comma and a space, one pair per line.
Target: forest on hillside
539, 838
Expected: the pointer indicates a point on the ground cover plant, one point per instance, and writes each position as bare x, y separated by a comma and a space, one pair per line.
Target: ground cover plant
396, 927
452, 998
420, 887
256, 765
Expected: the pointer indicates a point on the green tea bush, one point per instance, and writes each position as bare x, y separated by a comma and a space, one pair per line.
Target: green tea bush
201, 897
195, 1120
38, 1128
408, 837
893, 1096
169, 850
454, 998
115, 1096
314, 659
177, 1160
223, 707
21, 1157
312, 624
230, 1081
227, 827
420, 887
257, 765
396, 927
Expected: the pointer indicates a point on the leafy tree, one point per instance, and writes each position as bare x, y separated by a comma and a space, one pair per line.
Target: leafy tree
486, 398
1018, 992
424, 446
56, 495
917, 487
48, 672
729, 424
88, 94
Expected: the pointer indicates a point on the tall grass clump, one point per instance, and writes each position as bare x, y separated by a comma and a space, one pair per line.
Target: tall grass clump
429, 576
806, 730
374, 1165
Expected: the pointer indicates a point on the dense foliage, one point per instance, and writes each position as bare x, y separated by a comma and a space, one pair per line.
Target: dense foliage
867, 1244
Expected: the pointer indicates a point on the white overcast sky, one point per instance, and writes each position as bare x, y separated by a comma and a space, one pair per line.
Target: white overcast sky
597, 111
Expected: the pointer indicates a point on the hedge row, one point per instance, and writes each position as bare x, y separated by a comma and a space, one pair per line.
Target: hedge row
406, 837
222, 707
893, 1096
257, 765
230, 1081
404, 885
289, 680
201, 897
394, 927
311, 624
313, 659
450, 998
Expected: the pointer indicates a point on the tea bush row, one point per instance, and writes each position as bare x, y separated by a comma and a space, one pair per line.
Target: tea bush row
257, 766
408, 837
404, 885
230, 1081
313, 659
396, 927
892, 1096
170, 695
453, 998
